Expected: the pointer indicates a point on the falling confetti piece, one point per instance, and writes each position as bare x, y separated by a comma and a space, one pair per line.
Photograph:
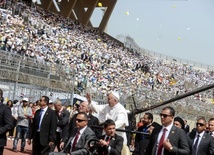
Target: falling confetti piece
100, 4
127, 13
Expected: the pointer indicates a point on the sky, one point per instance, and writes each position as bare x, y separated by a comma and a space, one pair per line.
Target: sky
180, 28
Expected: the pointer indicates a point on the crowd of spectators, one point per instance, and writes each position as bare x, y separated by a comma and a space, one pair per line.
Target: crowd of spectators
97, 61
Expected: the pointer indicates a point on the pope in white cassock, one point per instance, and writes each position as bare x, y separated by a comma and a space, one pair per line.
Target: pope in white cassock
113, 110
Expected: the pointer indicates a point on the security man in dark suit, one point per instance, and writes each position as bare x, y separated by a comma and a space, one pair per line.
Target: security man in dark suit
201, 142
110, 143
43, 128
6, 122
168, 140
78, 137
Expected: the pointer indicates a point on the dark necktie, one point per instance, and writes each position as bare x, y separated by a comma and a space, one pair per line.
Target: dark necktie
160, 145
194, 149
40, 119
108, 139
75, 141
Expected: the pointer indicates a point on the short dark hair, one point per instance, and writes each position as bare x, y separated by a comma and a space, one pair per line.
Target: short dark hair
150, 116
84, 114
211, 119
171, 110
46, 99
202, 118
108, 122
15, 101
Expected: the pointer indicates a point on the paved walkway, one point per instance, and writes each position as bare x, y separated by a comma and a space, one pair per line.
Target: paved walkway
8, 149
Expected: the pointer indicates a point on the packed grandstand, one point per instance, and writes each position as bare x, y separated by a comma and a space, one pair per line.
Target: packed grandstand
98, 61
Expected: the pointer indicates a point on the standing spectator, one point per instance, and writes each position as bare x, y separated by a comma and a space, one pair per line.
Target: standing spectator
11, 131
62, 122
200, 142
186, 128
144, 143
211, 126
22, 125
113, 110
168, 140
140, 123
6, 122
34, 108
43, 128
147, 121
51, 105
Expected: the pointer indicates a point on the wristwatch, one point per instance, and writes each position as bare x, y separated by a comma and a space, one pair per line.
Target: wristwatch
171, 148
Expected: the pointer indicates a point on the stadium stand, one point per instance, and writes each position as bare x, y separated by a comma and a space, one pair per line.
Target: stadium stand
94, 62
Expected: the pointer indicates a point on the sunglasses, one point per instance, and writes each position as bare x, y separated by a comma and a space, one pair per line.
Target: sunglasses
199, 124
164, 115
80, 120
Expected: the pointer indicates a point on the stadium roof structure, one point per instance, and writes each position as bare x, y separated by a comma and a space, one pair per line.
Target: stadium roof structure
80, 10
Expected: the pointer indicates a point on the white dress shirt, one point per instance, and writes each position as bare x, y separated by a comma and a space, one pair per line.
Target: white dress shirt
168, 129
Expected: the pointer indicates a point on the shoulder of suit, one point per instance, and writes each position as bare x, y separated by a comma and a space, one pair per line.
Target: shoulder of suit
92, 116
207, 135
192, 134
89, 129
118, 136
4, 106
51, 110
177, 129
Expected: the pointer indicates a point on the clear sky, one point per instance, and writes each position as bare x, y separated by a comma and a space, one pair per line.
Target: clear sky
178, 28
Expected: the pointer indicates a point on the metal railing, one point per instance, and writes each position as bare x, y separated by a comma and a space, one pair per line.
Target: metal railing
22, 69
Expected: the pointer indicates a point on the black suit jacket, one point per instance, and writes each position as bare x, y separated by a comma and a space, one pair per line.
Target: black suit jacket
47, 129
186, 128
140, 137
63, 121
116, 144
81, 147
206, 145
6, 123
177, 137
